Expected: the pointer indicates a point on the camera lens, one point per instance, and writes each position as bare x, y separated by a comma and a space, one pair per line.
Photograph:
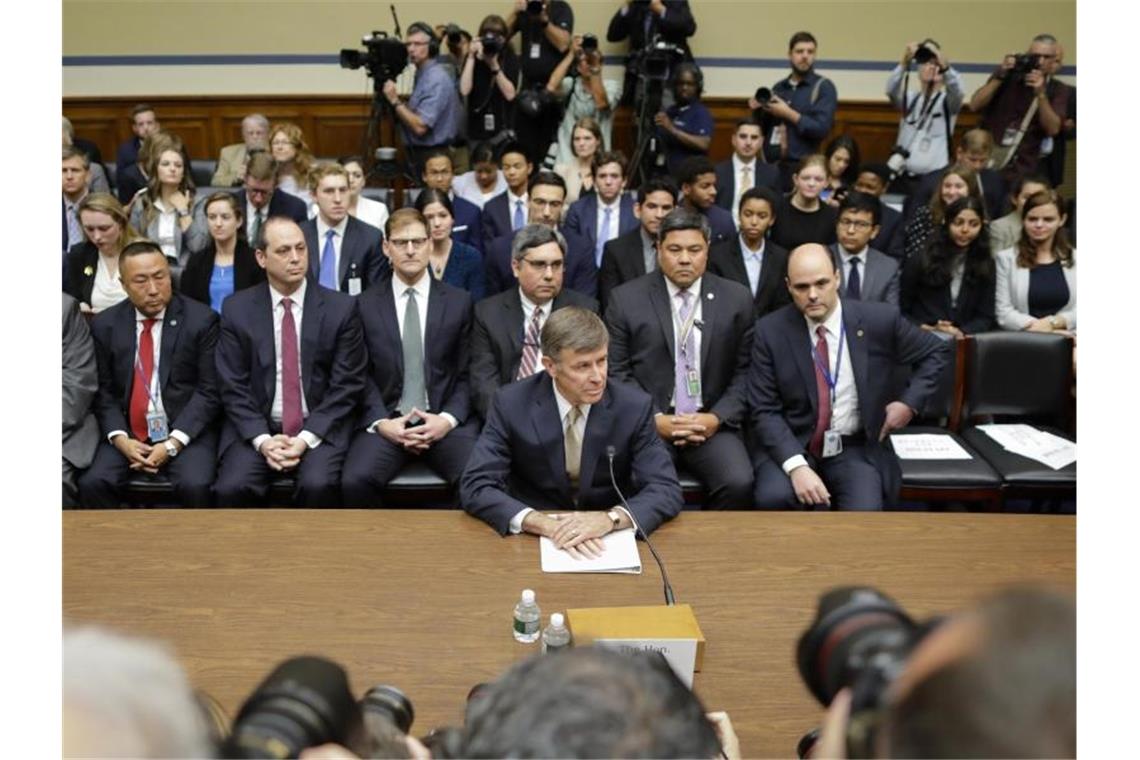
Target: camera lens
392, 704
589, 43
763, 95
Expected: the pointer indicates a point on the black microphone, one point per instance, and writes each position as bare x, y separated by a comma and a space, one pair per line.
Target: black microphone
396, 21
610, 453
699, 324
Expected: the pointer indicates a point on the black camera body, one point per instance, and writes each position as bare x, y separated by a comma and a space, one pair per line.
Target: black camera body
492, 45
763, 96
655, 60
589, 43
383, 57
1023, 63
926, 52
534, 7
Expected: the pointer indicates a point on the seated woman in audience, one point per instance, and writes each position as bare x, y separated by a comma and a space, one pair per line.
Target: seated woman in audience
802, 216
450, 261
578, 171
227, 264
365, 209
577, 81
949, 287
955, 182
842, 156
166, 211
287, 145
484, 181
93, 265
1036, 287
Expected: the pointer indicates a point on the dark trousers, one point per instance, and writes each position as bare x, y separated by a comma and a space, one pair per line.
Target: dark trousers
722, 464
102, 485
373, 461
851, 477
244, 476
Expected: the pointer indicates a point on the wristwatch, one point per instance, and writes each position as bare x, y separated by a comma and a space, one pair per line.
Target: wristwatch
615, 518
171, 449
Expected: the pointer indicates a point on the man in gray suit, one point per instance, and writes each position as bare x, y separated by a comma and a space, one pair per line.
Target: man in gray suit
233, 158
865, 274
80, 381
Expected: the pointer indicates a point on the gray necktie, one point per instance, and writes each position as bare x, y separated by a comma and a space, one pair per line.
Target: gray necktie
414, 393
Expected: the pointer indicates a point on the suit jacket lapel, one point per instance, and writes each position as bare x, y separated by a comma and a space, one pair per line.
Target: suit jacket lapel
767, 270
708, 318
737, 270
262, 329
548, 425
800, 347
314, 312
857, 348
659, 299
513, 327
437, 306
598, 425
387, 302
171, 329
870, 278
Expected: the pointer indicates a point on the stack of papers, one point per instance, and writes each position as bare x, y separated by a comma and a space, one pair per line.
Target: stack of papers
1038, 445
620, 556
928, 446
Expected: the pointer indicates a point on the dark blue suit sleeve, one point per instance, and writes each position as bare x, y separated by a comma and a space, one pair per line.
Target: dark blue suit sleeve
483, 487
815, 122
233, 358
926, 353
346, 378
203, 405
764, 397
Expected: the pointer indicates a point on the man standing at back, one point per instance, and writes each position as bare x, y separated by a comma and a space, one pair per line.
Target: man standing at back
144, 123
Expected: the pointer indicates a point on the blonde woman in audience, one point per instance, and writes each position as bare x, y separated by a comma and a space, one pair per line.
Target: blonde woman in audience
586, 140
166, 211
287, 145
365, 209
1036, 287
93, 266
955, 182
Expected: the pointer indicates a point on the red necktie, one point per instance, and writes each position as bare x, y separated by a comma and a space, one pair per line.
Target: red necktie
822, 390
291, 416
140, 385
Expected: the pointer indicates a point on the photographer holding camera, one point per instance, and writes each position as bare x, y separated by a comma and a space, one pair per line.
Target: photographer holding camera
577, 81
489, 80
1021, 105
928, 114
546, 27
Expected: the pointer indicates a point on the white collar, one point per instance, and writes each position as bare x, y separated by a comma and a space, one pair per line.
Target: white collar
695, 289
564, 405
529, 306
513, 199
322, 228
738, 162
747, 251
832, 323
848, 256
298, 295
421, 286
140, 317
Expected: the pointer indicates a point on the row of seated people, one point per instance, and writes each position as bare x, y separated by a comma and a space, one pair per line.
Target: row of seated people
344, 391
609, 232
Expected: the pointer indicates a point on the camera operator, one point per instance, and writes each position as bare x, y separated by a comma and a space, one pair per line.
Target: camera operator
640, 21
432, 117
685, 128
489, 80
927, 124
577, 81
799, 111
545, 27
1021, 105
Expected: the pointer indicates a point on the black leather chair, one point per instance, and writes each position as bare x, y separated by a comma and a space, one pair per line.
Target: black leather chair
410, 195
968, 480
202, 170
1021, 377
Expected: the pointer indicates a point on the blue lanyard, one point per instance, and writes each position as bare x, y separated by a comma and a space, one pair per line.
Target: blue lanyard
822, 363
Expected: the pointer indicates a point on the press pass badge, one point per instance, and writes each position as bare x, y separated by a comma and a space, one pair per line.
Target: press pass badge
156, 428
924, 145
535, 51
488, 122
832, 443
693, 383
354, 286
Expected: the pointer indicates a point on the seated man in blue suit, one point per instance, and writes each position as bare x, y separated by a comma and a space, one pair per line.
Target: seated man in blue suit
344, 252
598, 217
260, 199
818, 396
550, 440
439, 173
291, 367
697, 176
416, 400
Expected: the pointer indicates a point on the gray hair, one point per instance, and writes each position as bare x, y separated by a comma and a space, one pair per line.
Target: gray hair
70, 130
682, 218
1046, 38
127, 697
574, 328
259, 118
534, 235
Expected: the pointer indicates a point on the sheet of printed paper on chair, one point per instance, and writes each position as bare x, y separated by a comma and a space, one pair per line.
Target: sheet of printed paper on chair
928, 446
1040, 446
620, 556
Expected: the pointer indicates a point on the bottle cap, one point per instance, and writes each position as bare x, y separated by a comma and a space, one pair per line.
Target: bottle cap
528, 596
557, 620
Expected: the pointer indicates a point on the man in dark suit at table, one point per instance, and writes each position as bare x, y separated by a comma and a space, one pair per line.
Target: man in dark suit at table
700, 325
344, 252
865, 274
820, 411
506, 212
291, 366
416, 399
550, 439
507, 326
697, 176
598, 217
750, 258
158, 400
631, 255
260, 199
439, 172
743, 170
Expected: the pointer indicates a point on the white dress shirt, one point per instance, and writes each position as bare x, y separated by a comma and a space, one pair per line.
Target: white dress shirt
167, 221
338, 243
154, 396
107, 290
845, 414
512, 204
275, 410
371, 212
675, 309
615, 219
753, 262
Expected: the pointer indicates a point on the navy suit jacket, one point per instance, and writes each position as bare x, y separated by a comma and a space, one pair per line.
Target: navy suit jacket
361, 253
642, 344
186, 374
726, 260
723, 228
446, 347
497, 340
281, 203
623, 259
891, 233
579, 272
767, 175
332, 363
497, 218
519, 460
581, 224
468, 223
782, 384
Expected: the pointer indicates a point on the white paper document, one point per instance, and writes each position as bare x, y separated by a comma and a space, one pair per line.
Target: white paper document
928, 446
1027, 441
620, 556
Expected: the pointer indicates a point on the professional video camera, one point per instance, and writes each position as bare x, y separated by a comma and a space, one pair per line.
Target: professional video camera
860, 639
383, 57
656, 60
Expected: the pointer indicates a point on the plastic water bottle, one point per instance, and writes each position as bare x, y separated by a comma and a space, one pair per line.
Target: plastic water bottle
528, 618
556, 636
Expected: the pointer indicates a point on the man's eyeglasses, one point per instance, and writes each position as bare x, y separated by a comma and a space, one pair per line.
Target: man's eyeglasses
542, 266
858, 224
407, 242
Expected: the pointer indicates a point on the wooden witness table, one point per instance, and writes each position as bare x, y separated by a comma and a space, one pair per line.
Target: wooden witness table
422, 599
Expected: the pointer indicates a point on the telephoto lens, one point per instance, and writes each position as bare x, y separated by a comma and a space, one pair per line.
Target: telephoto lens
763, 95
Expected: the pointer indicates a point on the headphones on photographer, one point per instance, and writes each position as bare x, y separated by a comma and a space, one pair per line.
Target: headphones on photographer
433, 41
693, 69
